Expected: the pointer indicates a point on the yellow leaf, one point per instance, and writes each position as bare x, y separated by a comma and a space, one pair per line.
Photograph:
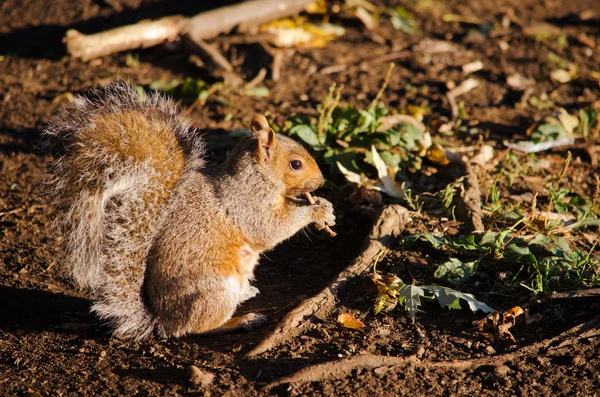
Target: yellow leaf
436, 155
317, 7
349, 321
298, 32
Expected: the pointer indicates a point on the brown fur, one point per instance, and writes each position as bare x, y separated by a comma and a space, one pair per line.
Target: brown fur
163, 243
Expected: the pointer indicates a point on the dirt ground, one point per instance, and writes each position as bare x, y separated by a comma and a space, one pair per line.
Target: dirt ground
49, 342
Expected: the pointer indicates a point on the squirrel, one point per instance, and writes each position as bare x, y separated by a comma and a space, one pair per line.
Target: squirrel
166, 245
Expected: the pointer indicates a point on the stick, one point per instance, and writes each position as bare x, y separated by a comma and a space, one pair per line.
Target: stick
341, 368
243, 15
463, 88
468, 207
577, 294
390, 223
203, 26
207, 51
141, 35
312, 201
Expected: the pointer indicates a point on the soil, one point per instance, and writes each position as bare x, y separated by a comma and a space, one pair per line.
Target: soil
51, 345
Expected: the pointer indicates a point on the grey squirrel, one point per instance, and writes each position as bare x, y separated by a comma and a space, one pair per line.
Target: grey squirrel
165, 244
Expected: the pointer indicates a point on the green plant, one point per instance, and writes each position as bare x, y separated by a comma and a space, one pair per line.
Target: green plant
354, 140
392, 291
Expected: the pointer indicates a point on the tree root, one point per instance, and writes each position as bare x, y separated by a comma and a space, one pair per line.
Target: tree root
468, 206
341, 368
390, 223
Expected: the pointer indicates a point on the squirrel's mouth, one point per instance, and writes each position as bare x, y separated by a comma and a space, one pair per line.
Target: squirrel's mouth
297, 200
297, 196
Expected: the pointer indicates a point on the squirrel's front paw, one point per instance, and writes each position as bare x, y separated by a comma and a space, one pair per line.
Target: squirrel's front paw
322, 213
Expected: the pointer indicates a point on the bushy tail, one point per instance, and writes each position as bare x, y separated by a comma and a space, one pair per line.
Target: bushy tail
123, 156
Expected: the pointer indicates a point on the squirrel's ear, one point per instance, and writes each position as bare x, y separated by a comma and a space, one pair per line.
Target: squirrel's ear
266, 136
259, 122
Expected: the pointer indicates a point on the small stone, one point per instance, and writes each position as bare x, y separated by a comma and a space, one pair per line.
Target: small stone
420, 351
490, 350
103, 353
380, 370
501, 371
579, 361
469, 344
200, 377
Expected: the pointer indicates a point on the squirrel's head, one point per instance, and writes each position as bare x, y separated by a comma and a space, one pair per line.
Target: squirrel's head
286, 159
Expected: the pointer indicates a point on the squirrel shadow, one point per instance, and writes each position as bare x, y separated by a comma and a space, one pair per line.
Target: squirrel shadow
25, 140
45, 41
30, 309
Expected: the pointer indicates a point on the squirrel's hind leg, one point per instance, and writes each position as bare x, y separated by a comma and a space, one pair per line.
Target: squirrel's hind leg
246, 322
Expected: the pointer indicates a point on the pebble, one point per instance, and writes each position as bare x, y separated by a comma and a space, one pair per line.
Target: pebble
579, 361
199, 376
501, 371
490, 350
103, 353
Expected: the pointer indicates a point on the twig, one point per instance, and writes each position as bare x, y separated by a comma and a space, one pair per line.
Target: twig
276, 66
384, 85
141, 35
468, 206
341, 368
312, 201
260, 76
577, 294
203, 26
207, 51
390, 223
463, 88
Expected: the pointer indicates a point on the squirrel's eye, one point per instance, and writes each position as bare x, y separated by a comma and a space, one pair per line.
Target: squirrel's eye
296, 165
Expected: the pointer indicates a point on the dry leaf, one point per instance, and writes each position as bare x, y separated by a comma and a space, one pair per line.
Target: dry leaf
437, 155
349, 321
530, 147
502, 322
297, 32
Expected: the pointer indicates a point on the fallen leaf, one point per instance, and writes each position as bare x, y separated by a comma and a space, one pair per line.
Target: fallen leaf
561, 76
530, 147
437, 155
297, 32
387, 177
349, 321
502, 322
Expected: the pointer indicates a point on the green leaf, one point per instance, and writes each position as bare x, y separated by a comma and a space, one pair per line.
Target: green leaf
435, 241
402, 20
165, 85
449, 298
455, 271
411, 295
259, 92
547, 132
306, 133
